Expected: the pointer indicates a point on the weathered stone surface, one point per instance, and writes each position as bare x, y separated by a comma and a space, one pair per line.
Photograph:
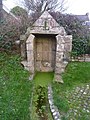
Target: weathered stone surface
30, 39
60, 47
59, 70
59, 57
28, 66
68, 43
67, 47
53, 108
59, 54
31, 77
68, 38
23, 51
30, 52
30, 56
29, 47
28, 32
47, 46
60, 39
46, 19
58, 78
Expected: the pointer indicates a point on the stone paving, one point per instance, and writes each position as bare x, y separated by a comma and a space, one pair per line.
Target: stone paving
79, 102
53, 108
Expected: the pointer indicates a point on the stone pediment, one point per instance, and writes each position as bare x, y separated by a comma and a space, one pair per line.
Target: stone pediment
46, 24
46, 20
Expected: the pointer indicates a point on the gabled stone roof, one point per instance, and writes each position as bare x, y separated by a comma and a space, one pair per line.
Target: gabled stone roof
46, 20
46, 24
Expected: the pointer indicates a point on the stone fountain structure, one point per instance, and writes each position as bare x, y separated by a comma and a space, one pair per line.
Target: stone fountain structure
45, 47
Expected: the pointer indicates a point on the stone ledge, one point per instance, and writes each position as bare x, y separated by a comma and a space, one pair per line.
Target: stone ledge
58, 78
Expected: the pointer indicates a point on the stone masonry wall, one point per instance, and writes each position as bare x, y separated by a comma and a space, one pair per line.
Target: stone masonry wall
30, 53
64, 45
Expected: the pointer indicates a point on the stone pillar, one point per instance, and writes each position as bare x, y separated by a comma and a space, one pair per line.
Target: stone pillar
68, 43
64, 46
59, 57
22, 42
30, 53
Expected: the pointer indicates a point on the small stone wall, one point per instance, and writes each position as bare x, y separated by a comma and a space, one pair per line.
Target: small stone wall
84, 58
53, 108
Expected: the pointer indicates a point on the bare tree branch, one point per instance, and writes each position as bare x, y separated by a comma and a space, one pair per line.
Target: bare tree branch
45, 5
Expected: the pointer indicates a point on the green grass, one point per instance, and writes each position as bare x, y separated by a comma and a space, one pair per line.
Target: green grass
15, 89
76, 74
43, 78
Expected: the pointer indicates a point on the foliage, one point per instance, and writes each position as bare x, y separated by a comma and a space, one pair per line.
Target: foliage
79, 47
40, 107
11, 27
74, 27
22, 15
62, 104
40, 101
15, 89
18, 11
9, 32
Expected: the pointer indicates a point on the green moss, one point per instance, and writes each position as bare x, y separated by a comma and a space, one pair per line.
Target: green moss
43, 78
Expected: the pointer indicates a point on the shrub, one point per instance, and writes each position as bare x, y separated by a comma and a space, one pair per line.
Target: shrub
79, 47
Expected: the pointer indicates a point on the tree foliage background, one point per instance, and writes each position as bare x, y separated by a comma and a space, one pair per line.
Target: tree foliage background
74, 27
11, 28
40, 6
9, 32
22, 16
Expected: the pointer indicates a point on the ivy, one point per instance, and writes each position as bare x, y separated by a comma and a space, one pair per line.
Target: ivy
79, 47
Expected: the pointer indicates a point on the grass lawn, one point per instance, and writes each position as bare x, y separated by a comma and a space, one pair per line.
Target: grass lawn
77, 75
15, 89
